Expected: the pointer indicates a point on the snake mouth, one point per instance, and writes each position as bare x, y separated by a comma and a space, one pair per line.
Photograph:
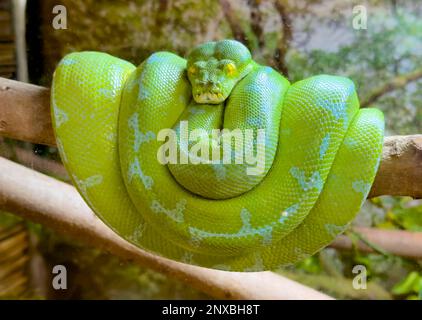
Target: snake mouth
209, 97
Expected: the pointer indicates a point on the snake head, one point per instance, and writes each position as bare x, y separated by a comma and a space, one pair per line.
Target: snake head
214, 68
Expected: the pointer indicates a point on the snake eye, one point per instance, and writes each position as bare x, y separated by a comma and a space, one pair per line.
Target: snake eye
192, 70
230, 68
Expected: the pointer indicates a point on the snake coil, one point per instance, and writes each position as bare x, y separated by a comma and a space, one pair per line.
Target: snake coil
320, 154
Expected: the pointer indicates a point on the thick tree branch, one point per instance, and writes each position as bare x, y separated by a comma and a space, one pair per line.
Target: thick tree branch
24, 112
25, 115
400, 172
402, 243
393, 84
58, 205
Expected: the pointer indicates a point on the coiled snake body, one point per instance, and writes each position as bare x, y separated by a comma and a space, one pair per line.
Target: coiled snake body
321, 154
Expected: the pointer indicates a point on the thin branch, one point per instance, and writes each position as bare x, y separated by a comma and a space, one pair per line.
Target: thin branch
363, 240
47, 166
393, 84
398, 242
58, 206
25, 115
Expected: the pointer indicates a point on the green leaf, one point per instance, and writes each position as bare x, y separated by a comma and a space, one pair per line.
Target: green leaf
310, 265
410, 284
409, 218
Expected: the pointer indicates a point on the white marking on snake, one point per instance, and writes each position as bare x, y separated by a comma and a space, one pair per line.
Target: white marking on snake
136, 171
138, 232
143, 93
89, 182
350, 142
131, 84
67, 62
108, 93
84, 184
220, 171
175, 214
258, 265
223, 267
117, 69
314, 181
265, 232
324, 146
157, 58
337, 109
333, 230
140, 137
289, 211
195, 110
111, 136
187, 257
60, 116
337, 105
361, 186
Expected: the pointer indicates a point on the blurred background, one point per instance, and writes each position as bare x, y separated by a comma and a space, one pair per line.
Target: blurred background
377, 43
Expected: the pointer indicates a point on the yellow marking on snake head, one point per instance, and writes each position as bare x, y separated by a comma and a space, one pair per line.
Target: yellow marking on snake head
192, 70
230, 69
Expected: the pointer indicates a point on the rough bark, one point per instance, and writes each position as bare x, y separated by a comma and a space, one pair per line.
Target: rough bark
400, 172
25, 112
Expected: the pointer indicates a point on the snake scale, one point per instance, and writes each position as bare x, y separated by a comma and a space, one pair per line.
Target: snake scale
320, 154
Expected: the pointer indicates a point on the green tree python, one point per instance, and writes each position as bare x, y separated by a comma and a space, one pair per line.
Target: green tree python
115, 124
